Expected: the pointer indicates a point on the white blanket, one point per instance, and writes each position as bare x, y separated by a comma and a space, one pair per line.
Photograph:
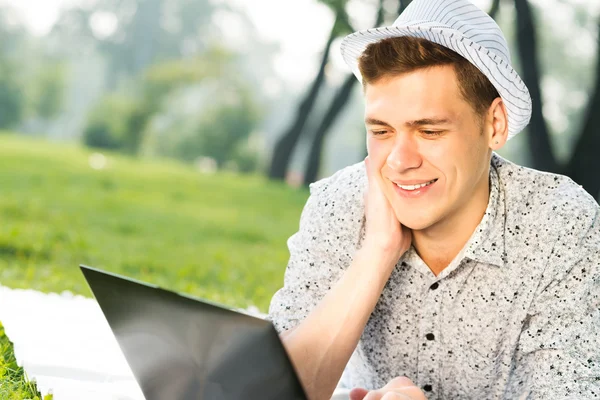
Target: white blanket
65, 344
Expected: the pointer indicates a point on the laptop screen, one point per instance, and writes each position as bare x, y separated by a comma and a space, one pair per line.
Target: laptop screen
181, 348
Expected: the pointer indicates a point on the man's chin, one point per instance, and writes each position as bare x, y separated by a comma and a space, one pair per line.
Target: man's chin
416, 222
416, 227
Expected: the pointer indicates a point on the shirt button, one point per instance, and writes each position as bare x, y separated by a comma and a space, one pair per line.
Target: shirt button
430, 336
427, 388
434, 286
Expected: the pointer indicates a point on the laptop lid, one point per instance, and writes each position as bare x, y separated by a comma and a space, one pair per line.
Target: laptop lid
181, 348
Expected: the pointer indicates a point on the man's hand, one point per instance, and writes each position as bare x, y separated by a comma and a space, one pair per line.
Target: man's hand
321, 345
400, 388
383, 231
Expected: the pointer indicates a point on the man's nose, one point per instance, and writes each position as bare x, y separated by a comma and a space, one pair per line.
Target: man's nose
405, 153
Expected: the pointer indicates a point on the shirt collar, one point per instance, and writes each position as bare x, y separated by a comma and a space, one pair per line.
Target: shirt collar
486, 245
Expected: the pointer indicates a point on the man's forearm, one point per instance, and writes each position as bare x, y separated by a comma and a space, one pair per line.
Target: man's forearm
321, 346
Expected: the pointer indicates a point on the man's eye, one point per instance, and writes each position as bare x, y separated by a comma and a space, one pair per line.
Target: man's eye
379, 133
431, 133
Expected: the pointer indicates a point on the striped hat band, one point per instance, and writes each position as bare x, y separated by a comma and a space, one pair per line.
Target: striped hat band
462, 27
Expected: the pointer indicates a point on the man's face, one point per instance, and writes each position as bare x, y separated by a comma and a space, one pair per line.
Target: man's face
430, 146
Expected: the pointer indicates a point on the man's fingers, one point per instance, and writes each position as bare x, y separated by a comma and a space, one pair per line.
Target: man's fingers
402, 393
399, 382
396, 396
404, 388
374, 395
370, 169
373, 169
413, 393
370, 178
358, 393
374, 178
382, 394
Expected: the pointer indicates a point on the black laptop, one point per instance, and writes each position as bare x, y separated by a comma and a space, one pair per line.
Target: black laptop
181, 348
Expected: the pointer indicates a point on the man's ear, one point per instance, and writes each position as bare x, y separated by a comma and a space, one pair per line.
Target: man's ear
496, 124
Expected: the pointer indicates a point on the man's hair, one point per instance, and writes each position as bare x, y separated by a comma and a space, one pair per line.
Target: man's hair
398, 55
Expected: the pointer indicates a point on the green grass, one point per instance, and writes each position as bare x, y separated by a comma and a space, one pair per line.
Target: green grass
13, 382
221, 237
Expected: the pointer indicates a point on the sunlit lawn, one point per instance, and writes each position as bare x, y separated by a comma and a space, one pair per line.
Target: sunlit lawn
13, 382
221, 237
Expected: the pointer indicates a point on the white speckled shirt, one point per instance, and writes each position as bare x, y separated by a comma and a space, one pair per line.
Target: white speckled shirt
516, 315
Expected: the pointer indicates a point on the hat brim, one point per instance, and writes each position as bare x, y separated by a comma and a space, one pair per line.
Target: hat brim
505, 79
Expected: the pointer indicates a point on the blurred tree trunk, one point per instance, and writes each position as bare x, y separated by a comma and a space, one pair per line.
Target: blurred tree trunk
286, 144
316, 149
137, 46
145, 32
584, 164
339, 102
402, 4
494, 9
540, 146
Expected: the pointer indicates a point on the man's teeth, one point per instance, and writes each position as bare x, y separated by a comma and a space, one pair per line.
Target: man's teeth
415, 187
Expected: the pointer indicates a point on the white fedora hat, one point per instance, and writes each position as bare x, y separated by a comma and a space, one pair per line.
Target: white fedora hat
462, 27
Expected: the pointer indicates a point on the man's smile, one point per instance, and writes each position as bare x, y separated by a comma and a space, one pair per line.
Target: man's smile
412, 185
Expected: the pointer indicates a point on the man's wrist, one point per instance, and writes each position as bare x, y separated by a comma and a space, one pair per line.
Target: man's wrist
378, 256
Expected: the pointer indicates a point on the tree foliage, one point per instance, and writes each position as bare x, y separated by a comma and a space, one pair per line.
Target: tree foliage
151, 31
12, 101
48, 89
183, 109
32, 85
108, 125
213, 119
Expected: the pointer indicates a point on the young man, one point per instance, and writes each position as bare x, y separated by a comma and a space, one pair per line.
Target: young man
436, 269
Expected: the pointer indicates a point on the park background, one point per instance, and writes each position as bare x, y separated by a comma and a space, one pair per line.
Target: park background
173, 140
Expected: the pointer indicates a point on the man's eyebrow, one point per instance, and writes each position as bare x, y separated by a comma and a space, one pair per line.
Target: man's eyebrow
374, 121
412, 124
428, 121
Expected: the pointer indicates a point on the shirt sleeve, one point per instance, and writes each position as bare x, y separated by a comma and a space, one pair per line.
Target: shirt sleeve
558, 355
321, 250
